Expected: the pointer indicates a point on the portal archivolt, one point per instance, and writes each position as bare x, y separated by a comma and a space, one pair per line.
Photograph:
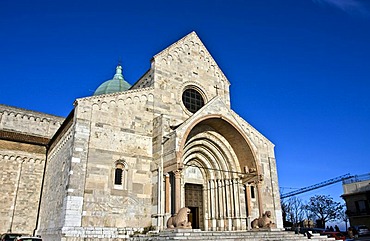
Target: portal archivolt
217, 157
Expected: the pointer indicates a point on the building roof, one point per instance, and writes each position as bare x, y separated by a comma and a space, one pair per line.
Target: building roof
117, 84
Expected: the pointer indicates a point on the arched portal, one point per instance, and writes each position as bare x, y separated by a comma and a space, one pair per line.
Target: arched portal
218, 160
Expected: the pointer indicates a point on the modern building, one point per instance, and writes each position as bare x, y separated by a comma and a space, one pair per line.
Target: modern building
129, 157
357, 197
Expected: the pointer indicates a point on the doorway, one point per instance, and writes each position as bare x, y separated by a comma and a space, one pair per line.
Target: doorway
194, 201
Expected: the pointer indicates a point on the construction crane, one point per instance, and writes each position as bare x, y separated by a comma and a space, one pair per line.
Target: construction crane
316, 186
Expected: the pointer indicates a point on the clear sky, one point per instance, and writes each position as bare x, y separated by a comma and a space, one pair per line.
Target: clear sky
299, 69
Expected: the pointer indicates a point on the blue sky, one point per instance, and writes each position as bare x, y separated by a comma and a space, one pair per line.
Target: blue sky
299, 69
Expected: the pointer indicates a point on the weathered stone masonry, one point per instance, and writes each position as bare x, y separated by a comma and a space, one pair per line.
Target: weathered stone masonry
23, 138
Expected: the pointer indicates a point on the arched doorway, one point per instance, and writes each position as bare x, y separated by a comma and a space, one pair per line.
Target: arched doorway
217, 162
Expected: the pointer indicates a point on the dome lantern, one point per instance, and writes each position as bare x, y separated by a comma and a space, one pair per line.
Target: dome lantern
117, 84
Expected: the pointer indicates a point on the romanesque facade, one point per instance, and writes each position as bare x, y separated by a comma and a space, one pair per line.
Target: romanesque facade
124, 161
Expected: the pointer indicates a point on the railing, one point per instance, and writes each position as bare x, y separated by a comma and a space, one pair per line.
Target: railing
357, 178
316, 186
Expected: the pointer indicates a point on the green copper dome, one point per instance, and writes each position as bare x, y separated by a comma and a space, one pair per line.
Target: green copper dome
117, 84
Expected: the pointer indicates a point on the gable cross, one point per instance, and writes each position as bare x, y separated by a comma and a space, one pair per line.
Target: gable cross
217, 88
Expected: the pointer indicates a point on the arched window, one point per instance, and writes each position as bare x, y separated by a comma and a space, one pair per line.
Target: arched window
120, 175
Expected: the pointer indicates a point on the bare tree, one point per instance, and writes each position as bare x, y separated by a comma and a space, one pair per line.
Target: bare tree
284, 209
325, 208
308, 213
342, 216
293, 210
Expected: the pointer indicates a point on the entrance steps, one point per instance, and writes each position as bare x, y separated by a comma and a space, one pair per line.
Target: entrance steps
252, 235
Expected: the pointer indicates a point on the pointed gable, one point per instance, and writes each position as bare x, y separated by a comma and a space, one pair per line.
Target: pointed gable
187, 64
186, 50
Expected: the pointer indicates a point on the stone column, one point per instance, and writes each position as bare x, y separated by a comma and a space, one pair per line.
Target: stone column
177, 190
210, 199
167, 200
237, 204
213, 205
248, 201
209, 204
223, 203
228, 197
232, 203
221, 224
243, 211
167, 194
205, 206
217, 203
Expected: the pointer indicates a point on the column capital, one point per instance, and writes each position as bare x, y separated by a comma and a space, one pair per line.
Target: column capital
177, 173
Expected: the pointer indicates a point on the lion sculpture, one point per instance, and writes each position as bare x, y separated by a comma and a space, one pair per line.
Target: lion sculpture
180, 220
264, 221
308, 223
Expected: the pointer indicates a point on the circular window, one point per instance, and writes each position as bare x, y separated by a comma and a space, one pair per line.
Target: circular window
192, 100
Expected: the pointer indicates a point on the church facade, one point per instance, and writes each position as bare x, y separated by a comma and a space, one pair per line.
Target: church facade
128, 158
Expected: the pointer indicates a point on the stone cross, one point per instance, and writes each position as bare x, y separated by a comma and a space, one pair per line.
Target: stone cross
217, 88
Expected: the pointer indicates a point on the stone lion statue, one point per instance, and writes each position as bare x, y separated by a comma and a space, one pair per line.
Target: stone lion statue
264, 221
308, 223
180, 220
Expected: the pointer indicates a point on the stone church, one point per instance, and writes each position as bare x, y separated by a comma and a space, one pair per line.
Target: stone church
129, 157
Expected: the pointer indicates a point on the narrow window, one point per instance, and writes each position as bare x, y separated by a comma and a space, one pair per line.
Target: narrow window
118, 176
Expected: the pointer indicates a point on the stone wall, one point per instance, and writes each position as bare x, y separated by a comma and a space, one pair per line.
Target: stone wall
56, 186
29, 122
84, 202
120, 131
21, 177
23, 136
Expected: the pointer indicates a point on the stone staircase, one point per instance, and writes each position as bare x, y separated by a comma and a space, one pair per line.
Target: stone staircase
253, 235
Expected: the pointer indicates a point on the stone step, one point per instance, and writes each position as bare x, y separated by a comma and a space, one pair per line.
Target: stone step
260, 235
